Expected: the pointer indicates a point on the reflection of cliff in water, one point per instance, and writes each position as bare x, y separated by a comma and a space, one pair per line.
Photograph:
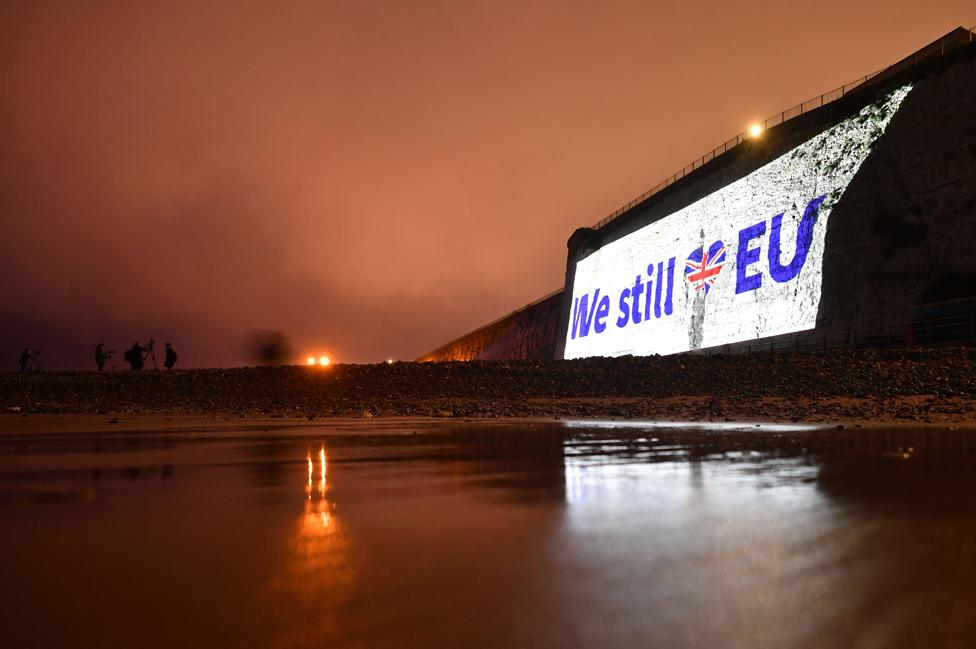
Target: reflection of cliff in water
901, 470
628, 441
904, 500
523, 463
858, 537
851, 465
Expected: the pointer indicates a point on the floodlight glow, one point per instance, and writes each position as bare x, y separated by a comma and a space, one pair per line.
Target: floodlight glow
324, 361
311, 360
755, 130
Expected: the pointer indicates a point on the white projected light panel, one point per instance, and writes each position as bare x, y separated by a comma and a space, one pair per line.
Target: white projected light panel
743, 263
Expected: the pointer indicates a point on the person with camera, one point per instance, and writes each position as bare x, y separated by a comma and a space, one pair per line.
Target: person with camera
134, 356
101, 355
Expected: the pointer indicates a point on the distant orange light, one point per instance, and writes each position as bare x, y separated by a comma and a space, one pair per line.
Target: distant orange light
324, 361
311, 360
755, 130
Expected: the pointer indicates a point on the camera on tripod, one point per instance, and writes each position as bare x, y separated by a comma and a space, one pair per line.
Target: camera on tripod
151, 352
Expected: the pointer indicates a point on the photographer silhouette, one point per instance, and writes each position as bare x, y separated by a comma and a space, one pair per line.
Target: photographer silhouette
29, 361
101, 355
134, 356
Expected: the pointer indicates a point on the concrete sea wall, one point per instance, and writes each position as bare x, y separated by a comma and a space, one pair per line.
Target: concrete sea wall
529, 333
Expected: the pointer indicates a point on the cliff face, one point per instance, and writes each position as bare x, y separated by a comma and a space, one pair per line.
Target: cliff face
902, 235
898, 237
527, 334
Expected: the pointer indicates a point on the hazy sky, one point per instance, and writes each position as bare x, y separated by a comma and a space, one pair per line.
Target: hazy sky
371, 178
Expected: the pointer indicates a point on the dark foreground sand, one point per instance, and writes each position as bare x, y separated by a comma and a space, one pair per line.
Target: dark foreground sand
908, 385
159, 532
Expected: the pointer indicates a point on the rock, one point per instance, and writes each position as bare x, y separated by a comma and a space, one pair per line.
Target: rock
902, 384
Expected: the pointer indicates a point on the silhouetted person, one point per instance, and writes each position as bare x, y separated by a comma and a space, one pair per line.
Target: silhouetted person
134, 356
101, 355
170, 359
28, 359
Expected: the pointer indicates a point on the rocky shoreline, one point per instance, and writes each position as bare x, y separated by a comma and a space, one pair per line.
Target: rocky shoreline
916, 385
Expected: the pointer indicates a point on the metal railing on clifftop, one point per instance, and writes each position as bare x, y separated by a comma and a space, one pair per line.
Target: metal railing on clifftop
951, 41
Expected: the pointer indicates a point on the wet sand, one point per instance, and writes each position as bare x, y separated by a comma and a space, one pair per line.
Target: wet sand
17, 424
444, 533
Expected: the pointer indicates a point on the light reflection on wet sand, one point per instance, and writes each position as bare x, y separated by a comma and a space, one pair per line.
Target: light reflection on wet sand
487, 535
317, 574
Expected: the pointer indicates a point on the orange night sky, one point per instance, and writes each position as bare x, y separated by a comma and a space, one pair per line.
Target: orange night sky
371, 178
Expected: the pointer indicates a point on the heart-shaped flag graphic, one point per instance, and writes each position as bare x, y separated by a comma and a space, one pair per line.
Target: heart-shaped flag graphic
703, 267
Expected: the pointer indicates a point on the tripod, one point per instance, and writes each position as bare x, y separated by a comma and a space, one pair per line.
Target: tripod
151, 353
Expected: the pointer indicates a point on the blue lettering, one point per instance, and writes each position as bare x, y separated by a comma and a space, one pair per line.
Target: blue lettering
804, 236
745, 256
657, 291
647, 296
587, 313
635, 305
602, 311
668, 302
582, 319
624, 309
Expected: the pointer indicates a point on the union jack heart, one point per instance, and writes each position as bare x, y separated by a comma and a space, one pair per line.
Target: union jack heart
703, 266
